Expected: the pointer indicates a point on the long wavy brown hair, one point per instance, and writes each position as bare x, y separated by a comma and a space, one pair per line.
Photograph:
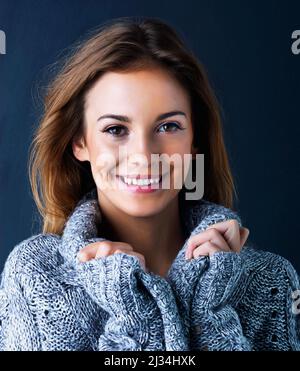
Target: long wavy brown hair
58, 180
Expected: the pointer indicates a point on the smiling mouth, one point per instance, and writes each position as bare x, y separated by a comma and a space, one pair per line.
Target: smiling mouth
142, 185
140, 181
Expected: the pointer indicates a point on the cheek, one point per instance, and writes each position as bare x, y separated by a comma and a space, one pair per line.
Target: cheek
181, 169
179, 162
103, 162
183, 166
179, 145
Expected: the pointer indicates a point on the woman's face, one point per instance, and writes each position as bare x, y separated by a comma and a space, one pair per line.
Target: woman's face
120, 146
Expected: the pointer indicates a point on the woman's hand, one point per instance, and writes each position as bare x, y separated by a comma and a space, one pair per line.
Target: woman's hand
224, 236
101, 249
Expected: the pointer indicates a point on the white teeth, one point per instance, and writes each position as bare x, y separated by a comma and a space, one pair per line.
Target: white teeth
140, 182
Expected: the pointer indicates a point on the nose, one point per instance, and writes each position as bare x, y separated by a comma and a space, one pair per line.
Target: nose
140, 149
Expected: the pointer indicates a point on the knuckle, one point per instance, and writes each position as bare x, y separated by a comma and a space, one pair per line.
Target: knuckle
190, 244
105, 244
190, 240
105, 250
247, 231
212, 246
87, 248
234, 223
214, 232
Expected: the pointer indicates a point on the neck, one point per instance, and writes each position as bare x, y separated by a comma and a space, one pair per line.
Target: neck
157, 237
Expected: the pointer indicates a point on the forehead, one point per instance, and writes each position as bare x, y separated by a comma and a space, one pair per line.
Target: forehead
145, 88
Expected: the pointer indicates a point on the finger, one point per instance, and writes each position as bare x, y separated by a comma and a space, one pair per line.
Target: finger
244, 233
88, 252
207, 248
97, 244
230, 229
92, 250
123, 245
208, 235
106, 250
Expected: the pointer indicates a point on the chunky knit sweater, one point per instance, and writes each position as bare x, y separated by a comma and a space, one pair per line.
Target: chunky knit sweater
230, 301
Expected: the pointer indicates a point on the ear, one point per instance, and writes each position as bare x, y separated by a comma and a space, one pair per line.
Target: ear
80, 149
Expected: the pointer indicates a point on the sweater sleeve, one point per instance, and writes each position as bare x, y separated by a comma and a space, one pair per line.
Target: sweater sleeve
18, 328
293, 306
117, 284
215, 324
208, 285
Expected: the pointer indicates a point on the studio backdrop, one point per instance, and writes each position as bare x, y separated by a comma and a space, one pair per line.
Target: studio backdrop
251, 52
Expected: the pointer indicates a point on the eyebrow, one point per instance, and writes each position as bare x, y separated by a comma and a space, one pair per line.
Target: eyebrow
127, 119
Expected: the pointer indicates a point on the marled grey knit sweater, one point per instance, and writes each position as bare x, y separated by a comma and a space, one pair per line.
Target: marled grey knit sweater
51, 301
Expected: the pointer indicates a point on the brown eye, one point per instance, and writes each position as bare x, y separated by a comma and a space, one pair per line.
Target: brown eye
173, 125
115, 131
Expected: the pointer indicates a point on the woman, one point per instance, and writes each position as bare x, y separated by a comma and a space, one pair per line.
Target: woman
125, 263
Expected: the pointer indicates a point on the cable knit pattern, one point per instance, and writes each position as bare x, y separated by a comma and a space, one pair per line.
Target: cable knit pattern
51, 301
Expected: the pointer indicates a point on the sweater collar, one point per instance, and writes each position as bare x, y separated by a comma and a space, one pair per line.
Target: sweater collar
82, 224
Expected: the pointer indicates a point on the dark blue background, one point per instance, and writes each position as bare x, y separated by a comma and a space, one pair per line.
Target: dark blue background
246, 48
